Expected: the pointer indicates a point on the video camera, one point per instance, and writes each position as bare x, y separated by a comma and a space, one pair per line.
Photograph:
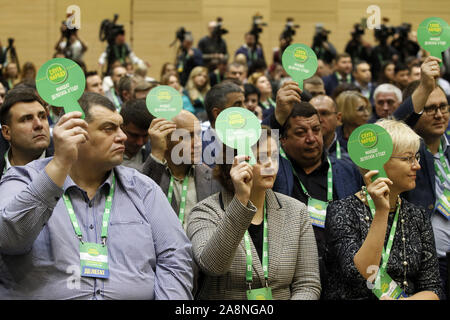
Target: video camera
358, 29
179, 35
321, 35
12, 52
403, 30
256, 26
384, 32
289, 31
69, 29
218, 30
109, 30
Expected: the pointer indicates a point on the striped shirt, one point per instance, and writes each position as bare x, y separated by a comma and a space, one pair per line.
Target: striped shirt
149, 254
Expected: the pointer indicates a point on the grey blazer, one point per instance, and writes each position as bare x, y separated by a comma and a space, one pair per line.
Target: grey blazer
219, 250
205, 185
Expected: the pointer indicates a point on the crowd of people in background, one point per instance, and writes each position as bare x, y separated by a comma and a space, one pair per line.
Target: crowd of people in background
186, 230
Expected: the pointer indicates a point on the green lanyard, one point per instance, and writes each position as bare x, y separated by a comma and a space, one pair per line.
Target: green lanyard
444, 165
265, 256
386, 253
338, 149
253, 55
200, 97
348, 78
6, 161
183, 196
329, 178
218, 77
268, 104
116, 100
119, 56
106, 213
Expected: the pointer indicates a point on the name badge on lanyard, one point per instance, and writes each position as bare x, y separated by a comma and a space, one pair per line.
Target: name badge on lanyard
93, 256
443, 204
317, 212
94, 260
264, 293
384, 285
317, 209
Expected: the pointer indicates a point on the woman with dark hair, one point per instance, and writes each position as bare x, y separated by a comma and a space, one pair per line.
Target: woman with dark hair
251, 242
387, 73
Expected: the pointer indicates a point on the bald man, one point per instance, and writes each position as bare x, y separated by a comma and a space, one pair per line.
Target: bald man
329, 119
175, 160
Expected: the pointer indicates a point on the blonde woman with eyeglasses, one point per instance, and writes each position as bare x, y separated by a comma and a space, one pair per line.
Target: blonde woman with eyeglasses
376, 232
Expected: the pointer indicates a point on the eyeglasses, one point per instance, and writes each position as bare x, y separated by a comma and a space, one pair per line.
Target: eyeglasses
431, 110
410, 159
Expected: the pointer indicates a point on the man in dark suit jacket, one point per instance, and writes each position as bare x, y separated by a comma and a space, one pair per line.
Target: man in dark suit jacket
342, 74
427, 112
171, 163
305, 162
25, 129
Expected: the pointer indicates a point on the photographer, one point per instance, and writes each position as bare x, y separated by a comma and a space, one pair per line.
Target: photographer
213, 46
252, 50
321, 46
358, 49
404, 43
117, 49
70, 43
286, 38
9, 65
187, 57
383, 52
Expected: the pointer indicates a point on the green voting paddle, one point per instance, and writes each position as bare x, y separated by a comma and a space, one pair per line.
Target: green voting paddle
61, 82
300, 62
370, 147
433, 35
240, 129
164, 102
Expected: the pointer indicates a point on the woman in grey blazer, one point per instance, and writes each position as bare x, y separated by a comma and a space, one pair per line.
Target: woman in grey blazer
225, 224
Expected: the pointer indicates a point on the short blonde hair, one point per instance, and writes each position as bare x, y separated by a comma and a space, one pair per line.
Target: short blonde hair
254, 77
347, 103
404, 139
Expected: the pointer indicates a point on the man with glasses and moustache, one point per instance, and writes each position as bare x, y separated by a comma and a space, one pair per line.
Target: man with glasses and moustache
427, 112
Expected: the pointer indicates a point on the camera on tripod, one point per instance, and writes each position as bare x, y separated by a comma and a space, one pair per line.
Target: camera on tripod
321, 35
358, 30
289, 30
67, 30
218, 31
109, 30
403, 31
256, 26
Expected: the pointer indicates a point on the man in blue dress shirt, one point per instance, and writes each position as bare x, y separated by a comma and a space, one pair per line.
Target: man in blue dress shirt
79, 226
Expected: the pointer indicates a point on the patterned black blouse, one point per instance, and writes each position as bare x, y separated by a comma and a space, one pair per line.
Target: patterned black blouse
346, 227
